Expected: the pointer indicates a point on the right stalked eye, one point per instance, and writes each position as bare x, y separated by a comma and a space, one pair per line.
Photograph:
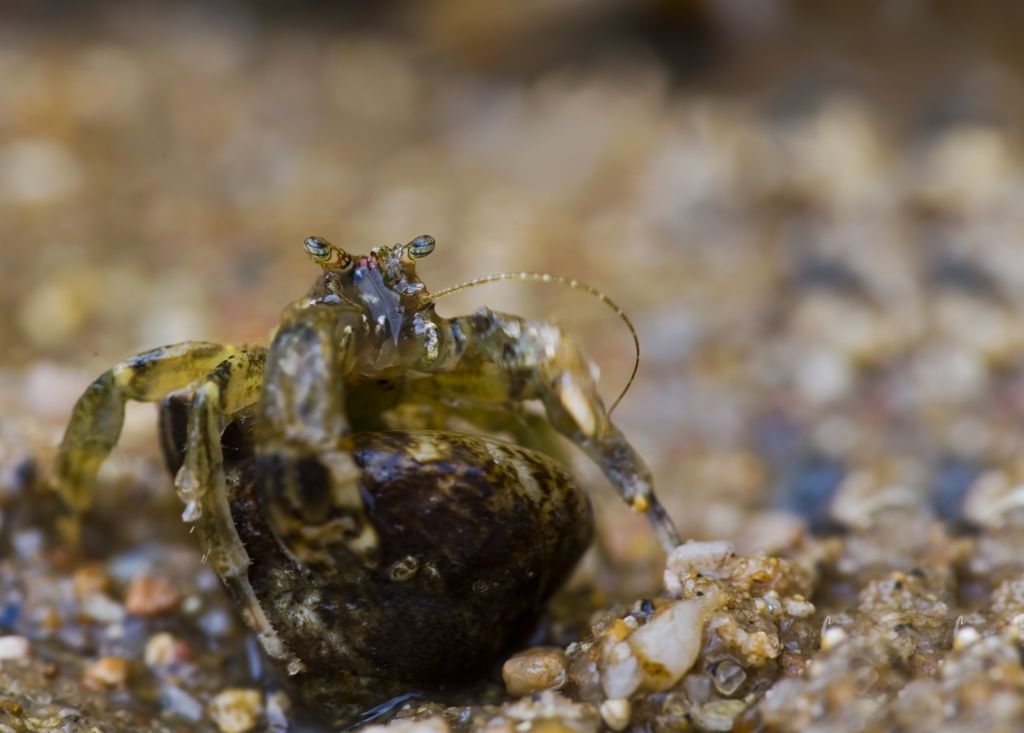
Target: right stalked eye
421, 246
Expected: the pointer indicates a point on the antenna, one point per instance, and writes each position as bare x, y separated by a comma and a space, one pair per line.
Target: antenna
543, 277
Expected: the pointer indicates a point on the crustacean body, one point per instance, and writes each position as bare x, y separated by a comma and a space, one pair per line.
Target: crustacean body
373, 549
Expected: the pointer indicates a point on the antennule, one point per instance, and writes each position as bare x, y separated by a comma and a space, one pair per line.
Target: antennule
543, 277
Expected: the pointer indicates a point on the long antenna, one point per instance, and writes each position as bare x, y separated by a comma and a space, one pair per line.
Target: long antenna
543, 277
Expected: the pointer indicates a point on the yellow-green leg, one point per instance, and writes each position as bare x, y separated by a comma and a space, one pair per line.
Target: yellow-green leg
98, 416
536, 360
304, 423
231, 387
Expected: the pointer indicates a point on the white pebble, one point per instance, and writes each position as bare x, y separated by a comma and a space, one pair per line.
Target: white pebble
668, 646
101, 607
14, 647
832, 637
964, 637
430, 725
620, 673
798, 608
616, 713
699, 558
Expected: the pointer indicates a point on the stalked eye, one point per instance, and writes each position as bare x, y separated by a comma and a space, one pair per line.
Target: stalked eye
326, 254
317, 247
421, 246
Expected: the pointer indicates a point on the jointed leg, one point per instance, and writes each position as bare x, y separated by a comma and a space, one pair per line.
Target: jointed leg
231, 387
316, 508
539, 361
96, 420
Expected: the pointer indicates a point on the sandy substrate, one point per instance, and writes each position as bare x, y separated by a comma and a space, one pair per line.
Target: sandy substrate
816, 231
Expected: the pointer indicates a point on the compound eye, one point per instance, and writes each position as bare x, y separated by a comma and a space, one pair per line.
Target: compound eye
326, 254
421, 246
317, 247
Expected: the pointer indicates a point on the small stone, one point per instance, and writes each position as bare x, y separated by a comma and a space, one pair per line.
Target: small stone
428, 725
964, 637
236, 710
668, 646
177, 702
698, 558
106, 672
14, 647
697, 688
616, 713
278, 708
832, 637
719, 715
165, 650
798, 607
150, 596
90, 579
534, 670
102, 608
729, 676
620, 671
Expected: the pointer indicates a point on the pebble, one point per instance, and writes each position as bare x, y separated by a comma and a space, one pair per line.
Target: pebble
620, 671
616, 713
37, 170
964, 637
429, 725
534, 670
278, 707
164, 650
14, 647
150, 595
102, 608
236, 710
668, 646
832, 637
720, 715
178, 702
696, 558
90, 579
106, 672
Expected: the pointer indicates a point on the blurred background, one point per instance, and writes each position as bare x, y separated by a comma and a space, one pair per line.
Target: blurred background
811, 211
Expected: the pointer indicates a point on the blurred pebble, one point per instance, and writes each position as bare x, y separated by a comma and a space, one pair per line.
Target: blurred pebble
236, 710
150, 595
29, 543
165, 650
14, 647
216, 623
102, 608
90, 579
278, 708
177, 702
37, 170
106, 672
429, 725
